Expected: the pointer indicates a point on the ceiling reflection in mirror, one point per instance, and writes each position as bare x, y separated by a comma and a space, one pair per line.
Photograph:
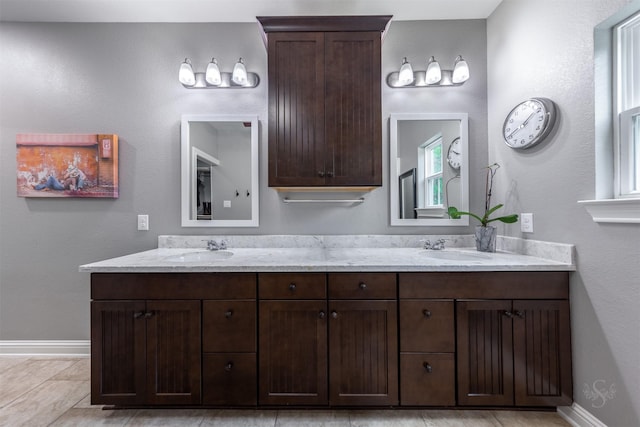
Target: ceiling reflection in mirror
429, 164
219, 171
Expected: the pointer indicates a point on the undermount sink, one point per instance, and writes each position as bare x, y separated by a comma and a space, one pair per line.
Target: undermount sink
457, 255
202, 256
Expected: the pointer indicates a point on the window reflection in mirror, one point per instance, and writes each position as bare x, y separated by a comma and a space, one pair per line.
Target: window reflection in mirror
219, 171
428, 147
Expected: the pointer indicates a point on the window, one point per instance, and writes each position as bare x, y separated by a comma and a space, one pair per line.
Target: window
432, 155
626, 108
617, 114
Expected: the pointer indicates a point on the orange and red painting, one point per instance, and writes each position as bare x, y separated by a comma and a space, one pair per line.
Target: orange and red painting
67, 165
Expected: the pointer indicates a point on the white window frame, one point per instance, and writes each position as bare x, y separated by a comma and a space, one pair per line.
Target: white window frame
613, 203
625, 108
424, 168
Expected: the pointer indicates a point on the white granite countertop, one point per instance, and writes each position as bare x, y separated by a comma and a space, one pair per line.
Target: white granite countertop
338, 254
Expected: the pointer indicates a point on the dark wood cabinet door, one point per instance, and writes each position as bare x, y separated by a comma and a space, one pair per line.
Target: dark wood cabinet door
363, 348
427, 379
293, 352
485, 358
353, 108
542, 353
296, 109
173, 352
118, 375
229, 379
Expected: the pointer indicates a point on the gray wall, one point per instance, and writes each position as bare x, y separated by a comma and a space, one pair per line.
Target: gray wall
122, 79
545, 48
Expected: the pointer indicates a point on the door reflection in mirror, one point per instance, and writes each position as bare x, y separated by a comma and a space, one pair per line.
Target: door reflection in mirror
219, 171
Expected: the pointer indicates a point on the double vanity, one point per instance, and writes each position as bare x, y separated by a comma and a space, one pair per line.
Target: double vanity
332, 321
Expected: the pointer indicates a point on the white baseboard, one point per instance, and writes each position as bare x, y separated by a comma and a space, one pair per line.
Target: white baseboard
577, 416
46, 348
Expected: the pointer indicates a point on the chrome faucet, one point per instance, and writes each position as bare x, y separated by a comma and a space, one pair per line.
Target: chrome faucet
212, 245
435, 246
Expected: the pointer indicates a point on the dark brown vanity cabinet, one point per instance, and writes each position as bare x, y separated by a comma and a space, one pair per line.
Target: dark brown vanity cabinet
293, 339
513, 340
145, 352
229, 371
338, 352
149, 331
363, 339
324, 100
514, 353
427, 352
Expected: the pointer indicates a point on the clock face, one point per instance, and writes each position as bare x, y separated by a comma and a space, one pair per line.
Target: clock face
454, 155
529, 123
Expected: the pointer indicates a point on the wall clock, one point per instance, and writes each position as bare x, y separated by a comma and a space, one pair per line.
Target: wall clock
529, 123
454, 154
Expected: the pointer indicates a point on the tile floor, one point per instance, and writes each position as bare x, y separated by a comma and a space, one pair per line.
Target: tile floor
54, 391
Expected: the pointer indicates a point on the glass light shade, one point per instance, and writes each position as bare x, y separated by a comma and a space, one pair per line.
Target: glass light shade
239, 75
460, 71
212, 76
434, 73
186, 75
405, 76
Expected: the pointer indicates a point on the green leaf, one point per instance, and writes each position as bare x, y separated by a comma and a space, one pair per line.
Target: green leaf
509, 219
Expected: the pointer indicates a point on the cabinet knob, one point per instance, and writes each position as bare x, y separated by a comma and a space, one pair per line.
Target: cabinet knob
330, 174
321, 174
363, 286
138, 314
508, 314
519, 313
228, 314
228, 366
427, 367
322, 315
334, 314
292, 287
426, 313
149, 314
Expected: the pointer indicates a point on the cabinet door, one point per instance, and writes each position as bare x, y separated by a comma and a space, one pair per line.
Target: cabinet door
542, 351
118, 374
293, 353
173, 352
353, 108
296, 109
485, 358
363, 347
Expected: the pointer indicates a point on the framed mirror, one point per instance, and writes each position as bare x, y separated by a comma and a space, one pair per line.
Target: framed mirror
429, 168
219, 175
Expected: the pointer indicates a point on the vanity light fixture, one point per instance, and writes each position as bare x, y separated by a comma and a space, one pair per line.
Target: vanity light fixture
212, 75
186, 74
433, 76
213, 78
405, 75
433, 73
460, 70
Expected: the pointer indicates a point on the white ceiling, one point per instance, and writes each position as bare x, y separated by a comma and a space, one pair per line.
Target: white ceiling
234, 10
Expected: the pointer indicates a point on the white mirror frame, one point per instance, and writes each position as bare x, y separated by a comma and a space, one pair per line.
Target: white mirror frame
394, 172
186, 156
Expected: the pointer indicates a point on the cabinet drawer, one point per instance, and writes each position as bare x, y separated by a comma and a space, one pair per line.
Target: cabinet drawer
427, 326
229, 326
173, 286
427, 379
292, 286
485, 285
229, 379
362, 286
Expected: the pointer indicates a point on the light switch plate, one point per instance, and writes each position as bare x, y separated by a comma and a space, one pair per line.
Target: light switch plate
526, 222
143, 222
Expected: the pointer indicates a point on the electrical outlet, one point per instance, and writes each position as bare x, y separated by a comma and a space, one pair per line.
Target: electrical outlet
526, 222
143, 222
227, 204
